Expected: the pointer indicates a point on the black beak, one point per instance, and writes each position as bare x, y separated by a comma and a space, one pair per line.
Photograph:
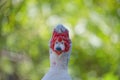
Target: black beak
58, 49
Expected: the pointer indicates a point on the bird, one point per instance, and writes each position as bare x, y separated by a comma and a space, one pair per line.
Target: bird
59, 50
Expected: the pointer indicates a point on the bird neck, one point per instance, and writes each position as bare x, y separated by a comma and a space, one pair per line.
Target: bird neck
59, 62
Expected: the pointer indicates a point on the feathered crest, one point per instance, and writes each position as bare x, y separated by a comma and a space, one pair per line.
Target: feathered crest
60, 33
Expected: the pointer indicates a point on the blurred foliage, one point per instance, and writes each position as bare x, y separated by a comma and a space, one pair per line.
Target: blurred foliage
26, 27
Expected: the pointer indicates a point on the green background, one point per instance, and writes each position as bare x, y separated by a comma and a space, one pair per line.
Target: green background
26, 27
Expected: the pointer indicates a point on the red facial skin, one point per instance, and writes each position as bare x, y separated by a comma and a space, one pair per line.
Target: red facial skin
64, 36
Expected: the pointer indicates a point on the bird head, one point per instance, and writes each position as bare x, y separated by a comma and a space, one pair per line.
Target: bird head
60, 41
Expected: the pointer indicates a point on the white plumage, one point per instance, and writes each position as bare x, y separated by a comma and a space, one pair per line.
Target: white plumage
58, 63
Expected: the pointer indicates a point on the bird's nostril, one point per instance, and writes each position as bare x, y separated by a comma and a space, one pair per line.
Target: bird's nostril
58, 48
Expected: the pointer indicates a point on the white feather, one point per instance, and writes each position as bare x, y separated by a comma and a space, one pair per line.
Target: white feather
58, 63
60, 28
58, 71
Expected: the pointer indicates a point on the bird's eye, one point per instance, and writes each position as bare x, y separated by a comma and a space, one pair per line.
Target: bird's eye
62, 43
